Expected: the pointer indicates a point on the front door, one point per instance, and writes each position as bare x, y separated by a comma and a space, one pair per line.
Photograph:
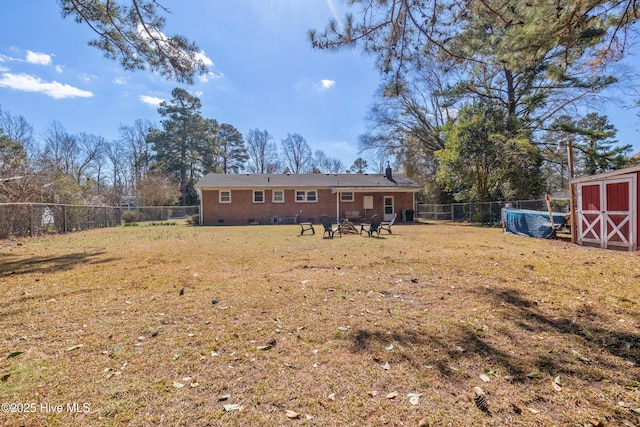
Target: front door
388, 208
605, 214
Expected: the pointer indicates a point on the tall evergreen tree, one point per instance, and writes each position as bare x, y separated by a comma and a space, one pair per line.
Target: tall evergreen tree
360, 165
596, 150
181, 141
133, 34
233, 153
532, 60
529, 57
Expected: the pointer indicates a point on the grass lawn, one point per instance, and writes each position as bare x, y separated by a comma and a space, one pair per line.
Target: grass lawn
434, 325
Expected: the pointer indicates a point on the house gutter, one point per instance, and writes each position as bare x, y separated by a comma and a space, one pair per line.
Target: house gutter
374, 189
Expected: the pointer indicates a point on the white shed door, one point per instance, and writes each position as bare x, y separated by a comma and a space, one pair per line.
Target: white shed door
606, 214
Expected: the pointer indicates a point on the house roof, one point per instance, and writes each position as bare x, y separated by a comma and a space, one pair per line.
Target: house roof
336, 182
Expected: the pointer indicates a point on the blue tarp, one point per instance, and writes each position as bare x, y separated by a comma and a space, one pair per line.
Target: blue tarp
532, 223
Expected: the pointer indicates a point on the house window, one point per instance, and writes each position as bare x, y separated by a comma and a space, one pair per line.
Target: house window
225, 196
306, 196
346, 196
258, 196
278, 196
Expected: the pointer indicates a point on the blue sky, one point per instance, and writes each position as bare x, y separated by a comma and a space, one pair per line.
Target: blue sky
263, 74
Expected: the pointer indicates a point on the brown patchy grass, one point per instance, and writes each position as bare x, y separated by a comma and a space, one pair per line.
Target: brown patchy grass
438, 305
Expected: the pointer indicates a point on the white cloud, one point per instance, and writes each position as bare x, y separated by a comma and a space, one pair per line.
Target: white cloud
151, 100
327, 84
210, 76
160, 37
5, 58
54, 89
88, 78
38, 58
120, 80
201, 56
58, 69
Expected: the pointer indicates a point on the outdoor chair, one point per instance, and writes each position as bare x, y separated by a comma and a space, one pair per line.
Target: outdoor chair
307, 226
329, 227
386, 225
373, 226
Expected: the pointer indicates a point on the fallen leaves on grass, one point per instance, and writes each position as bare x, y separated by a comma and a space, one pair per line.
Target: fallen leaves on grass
414, 398
74, 347
291, 414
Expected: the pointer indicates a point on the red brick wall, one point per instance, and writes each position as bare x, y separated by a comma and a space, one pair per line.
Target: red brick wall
242, 209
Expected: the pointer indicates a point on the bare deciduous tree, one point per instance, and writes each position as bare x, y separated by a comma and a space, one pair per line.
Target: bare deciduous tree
297, 154
262, 151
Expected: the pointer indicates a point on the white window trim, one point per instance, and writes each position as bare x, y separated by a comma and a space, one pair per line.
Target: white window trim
254, 195
353, 198
220, 196
273, 196
306, 196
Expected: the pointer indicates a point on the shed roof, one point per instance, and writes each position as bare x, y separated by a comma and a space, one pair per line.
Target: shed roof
336, 182
606, 175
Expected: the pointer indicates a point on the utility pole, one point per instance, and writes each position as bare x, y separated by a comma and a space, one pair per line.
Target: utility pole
572, 201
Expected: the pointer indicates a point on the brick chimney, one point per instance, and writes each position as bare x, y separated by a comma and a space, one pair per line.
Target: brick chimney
387, 172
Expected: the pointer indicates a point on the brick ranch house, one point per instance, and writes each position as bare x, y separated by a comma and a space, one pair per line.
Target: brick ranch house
240, 199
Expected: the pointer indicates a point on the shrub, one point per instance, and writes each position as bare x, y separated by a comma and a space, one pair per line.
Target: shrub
130, 216
194, 219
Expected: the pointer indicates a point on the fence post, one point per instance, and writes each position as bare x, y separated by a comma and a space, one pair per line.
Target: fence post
32, 221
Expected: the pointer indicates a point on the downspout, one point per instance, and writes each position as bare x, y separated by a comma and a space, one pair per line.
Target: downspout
200, 214
338, 206
415, 207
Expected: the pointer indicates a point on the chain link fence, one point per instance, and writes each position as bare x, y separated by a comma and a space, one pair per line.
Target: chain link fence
158, 213
35, 219
485, 213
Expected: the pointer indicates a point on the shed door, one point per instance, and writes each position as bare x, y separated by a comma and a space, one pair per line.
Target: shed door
606, 214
